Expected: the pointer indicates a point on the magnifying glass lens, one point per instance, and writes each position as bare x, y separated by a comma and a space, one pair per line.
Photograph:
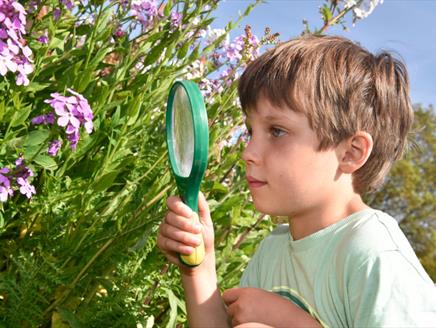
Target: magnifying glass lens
183, 133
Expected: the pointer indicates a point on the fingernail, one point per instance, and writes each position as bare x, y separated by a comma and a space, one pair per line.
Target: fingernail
196, 240
197, 227
187, 250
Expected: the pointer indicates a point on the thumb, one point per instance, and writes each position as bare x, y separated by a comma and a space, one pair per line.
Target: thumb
230, 295
203, 210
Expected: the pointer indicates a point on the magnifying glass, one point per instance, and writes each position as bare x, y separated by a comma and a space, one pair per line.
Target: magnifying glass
188, 142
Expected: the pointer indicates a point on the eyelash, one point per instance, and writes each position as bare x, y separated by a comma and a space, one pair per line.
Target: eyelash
275, 130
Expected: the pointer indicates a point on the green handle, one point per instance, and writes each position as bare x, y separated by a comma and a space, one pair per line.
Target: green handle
189, 186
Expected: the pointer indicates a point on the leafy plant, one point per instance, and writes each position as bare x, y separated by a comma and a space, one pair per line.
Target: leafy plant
83, 167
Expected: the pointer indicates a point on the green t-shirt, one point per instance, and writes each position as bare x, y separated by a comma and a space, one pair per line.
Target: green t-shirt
358, 272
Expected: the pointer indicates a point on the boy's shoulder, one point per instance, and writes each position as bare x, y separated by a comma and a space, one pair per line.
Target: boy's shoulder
376, 241
372, 231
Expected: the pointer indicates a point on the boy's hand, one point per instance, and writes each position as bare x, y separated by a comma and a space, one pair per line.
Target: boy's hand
179, 232
254, 305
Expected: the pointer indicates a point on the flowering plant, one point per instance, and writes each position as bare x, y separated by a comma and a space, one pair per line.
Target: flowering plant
83, 172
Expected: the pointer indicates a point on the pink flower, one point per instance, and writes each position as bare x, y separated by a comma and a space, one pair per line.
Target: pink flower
5, 185
72, 113
176, 18
14, 54
26, 188
144, 11
54, 147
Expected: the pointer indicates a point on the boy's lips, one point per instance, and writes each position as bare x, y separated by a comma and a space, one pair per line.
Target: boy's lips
254, 183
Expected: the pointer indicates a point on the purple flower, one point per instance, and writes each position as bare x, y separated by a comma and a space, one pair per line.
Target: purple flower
14, 54
73, 137
243, 45
209, 88
5, 192
54, 147
56, 14
44, 119
144, 11
43, 38
22, 171
7, 62
234, 50
72, 113
32, 6
5, 185
20, 176
19, 161
68, 3
26, 188
176, 18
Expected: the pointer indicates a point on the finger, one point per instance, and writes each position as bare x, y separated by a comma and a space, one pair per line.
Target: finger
168, 246
251, 325
173, 233
231, 295
203, 210
176, 205
183, 223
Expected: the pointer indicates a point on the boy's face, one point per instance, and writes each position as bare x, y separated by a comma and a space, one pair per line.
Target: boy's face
286, 174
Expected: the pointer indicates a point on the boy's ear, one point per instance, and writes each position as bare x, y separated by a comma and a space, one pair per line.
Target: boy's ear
354, 151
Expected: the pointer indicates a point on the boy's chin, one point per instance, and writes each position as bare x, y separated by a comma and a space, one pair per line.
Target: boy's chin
268, 209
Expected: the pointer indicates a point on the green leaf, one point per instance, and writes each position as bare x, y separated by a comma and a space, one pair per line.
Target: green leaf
220, 188
133, 110
36, 86
98, 58
46, 162
173, 308
83, 29
20, 116
183, 50
326, 13
105, 181
167, 10
36, 137
84, 79
69, 317
56, 43
2, 110
154, 54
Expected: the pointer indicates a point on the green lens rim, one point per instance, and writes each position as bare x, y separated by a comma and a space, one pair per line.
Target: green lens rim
190, 186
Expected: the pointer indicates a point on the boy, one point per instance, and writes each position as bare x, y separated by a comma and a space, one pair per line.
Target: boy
327, 119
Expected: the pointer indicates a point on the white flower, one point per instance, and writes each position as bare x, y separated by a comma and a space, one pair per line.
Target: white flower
362, 8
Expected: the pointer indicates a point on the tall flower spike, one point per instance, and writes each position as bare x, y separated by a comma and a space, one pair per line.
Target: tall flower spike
15, 56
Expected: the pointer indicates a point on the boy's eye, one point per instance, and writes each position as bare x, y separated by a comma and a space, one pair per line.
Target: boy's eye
277, 132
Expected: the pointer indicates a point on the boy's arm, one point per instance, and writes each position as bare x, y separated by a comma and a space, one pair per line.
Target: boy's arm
204, 303
254, 305
178, 234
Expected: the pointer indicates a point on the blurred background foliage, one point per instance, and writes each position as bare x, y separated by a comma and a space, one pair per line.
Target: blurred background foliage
81, 251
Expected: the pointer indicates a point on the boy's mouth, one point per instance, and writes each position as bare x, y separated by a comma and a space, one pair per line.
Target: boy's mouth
254, 183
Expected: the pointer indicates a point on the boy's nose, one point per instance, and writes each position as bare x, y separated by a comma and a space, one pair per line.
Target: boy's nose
250, 154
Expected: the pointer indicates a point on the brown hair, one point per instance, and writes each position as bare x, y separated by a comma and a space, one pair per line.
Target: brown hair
342, 88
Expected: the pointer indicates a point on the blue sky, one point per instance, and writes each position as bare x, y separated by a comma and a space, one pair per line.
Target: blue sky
406, 27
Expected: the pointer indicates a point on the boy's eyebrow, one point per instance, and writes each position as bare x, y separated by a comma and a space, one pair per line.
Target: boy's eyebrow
275, 118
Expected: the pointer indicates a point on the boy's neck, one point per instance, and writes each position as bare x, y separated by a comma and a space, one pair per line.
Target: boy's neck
305, 224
